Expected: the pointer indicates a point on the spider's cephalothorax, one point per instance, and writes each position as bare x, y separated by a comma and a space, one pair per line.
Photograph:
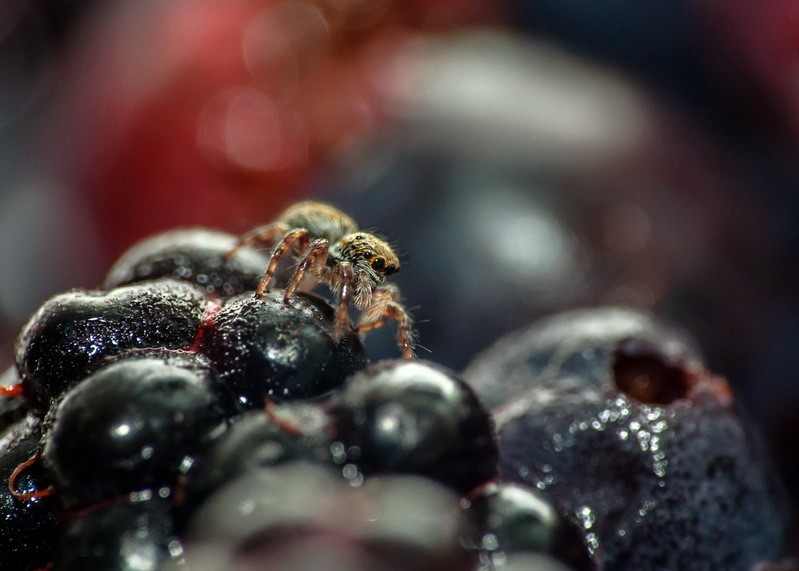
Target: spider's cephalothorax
352, 262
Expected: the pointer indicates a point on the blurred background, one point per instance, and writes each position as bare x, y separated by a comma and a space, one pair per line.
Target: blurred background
526, 157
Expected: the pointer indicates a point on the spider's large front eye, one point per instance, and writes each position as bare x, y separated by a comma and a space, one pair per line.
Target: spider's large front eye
378, 263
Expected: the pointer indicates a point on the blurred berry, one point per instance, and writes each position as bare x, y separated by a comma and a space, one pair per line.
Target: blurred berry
414, 417
196, 255
610, 415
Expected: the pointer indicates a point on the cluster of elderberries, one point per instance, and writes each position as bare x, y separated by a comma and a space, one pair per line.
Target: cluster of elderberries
176, 419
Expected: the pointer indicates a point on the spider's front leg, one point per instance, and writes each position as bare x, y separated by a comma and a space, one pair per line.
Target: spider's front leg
298, 237
315, 260
385, 304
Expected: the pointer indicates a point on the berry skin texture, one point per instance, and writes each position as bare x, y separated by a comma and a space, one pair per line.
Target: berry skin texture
612, 416
196, 255
75, 330
401, 417
268, 349
134, 424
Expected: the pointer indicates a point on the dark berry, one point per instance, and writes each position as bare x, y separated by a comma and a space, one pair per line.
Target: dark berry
134, 424
302, 516
121, 537
29, 530
264, 348
413, 417
294, 431
516, 519
197, 255
576, 344
73, 330
610, 414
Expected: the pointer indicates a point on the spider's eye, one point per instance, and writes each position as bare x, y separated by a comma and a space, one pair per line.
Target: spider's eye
378, 263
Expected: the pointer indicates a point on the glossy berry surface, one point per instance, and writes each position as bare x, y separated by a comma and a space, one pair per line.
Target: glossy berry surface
133, 424
268, 349
29, 529
402, 417
75, 330
514, 519
611, 415
130, 535
197, 255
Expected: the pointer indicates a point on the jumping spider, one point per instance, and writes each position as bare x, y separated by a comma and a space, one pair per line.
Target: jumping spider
352, 262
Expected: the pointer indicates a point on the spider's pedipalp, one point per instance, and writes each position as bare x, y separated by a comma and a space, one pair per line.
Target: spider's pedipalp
344, 288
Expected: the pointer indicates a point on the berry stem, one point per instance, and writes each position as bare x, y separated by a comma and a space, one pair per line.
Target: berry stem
12, 481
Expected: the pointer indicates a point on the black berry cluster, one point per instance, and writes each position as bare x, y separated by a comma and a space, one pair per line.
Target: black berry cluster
175, 420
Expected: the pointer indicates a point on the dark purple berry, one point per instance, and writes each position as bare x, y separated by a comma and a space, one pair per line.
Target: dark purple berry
197, 255
74, 330
265, 348
516, 519
294, 431
121, 537
579, 344
28, 528
134, 424
613, 417
302, 516
414, 417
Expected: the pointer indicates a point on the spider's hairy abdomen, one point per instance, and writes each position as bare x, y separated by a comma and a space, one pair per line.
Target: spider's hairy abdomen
321, 220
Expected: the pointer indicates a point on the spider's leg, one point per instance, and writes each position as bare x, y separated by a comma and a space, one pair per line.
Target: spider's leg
385, 305
315, 257
300, 236
263, 234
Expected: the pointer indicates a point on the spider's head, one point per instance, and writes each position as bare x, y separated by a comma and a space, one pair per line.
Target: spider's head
369, 256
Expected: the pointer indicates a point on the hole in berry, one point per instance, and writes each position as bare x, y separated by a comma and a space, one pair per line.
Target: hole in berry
644, 373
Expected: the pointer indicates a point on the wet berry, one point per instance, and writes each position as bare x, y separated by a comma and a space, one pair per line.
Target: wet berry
29, 529
134, 424
131, 535
196, 255
402, 417
611, 415
516, 519
74, 330
269, 349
